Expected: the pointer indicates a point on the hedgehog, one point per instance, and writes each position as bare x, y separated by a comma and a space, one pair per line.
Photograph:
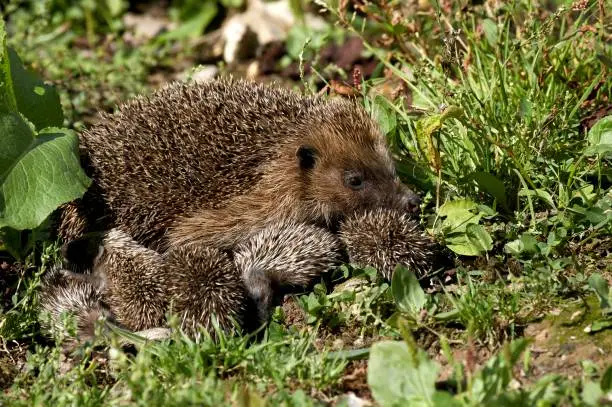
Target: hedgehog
212, 163
202, 168
137, 281
282, 257
65, 292
205, 286
383, 238
108, 274
84, 297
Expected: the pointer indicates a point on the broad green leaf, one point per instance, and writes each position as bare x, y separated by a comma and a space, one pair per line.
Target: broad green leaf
459, 214
591, 393
539, 193
399, 377
114, 7
493, 186
407, 292
37, 173
530, 243
7, 96
601, 325
479, 237
384, 114
38, 102
444, 399
600, 137
600, 286
461, 244
514, 247
452, 208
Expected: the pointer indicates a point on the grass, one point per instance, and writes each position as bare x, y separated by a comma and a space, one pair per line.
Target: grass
493, 120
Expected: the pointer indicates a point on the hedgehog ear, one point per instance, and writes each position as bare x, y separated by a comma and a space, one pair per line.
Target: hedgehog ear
307, 156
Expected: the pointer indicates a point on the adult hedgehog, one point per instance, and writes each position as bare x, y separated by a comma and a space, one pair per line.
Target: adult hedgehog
214, 163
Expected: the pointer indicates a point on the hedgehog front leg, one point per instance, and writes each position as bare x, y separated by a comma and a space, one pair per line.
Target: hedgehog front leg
283, 256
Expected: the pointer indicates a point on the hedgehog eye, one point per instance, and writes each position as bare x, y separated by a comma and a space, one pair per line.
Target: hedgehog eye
353, 180
307, 156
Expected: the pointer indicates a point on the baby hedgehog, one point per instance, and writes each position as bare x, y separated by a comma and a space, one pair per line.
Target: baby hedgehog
383, 238
205, 284
283, 256
213, 163
117, 278
65, 292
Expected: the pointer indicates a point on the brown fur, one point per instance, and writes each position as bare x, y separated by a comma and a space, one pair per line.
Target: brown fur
213, 163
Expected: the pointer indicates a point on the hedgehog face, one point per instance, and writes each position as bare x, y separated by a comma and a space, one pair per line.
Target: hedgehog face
347, 180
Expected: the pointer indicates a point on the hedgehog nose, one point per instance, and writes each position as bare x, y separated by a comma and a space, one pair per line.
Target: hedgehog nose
408, 199
412, 202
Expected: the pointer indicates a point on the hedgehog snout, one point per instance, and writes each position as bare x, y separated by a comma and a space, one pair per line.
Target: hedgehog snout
260, 290
404, 199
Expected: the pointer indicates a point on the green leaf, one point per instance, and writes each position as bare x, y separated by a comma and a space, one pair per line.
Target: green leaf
479, 237
490, 31
397, 376
606, 380
452, 208
384, 114
38, 102
600, 137
495, 376
514, 247
529, 242
232, 3
407, 292
426, 129
459, 214
7, 96
600, 286
195, 24
451, 315
114, 7
601, 325
539, 193
463, 245
37, 174
591, 393
492, 186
